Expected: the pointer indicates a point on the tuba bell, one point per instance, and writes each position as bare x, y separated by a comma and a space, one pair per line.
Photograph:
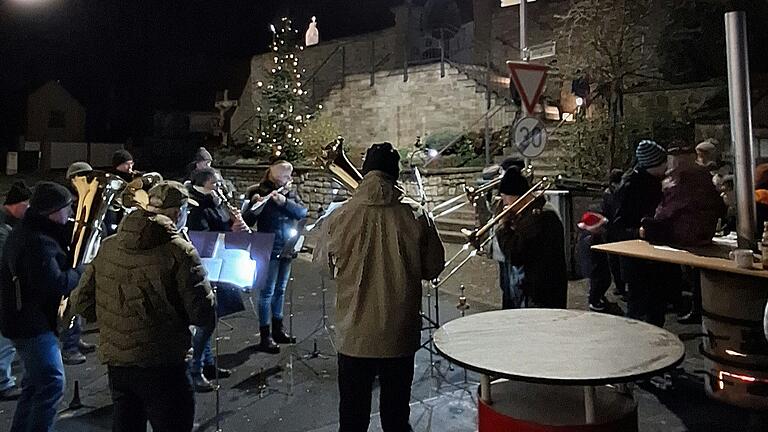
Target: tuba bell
135, 194
334, 160
96, 192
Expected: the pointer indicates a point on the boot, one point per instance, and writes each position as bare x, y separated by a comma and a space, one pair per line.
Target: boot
267, 344
278, 332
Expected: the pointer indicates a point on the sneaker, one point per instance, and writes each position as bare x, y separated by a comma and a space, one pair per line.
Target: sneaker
86, 347
10, 394
73, 358
209, 372
690, 318
599, 306
202, 385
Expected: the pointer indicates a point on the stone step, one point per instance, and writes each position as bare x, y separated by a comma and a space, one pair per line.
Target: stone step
455, 237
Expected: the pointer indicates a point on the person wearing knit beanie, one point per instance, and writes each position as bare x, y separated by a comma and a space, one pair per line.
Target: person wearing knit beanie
382, 157
77, 169
513, 184
48, 198
649, 154
122, 161
18, 193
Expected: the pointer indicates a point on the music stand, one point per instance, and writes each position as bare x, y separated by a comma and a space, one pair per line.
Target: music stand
231, 259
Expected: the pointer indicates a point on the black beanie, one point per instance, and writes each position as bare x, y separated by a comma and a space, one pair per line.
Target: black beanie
513, 183
382, 157
19, 193
49, 197
120, 157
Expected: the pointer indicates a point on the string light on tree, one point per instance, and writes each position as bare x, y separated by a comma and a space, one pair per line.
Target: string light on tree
284, 109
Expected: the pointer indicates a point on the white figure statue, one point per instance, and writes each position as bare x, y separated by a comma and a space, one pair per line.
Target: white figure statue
312, 36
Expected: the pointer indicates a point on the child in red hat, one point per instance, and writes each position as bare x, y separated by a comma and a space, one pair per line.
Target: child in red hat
594, 265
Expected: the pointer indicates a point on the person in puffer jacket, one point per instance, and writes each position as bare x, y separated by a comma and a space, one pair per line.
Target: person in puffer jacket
145, 287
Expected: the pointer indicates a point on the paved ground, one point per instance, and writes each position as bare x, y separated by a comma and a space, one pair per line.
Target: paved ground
264, 395
288, 393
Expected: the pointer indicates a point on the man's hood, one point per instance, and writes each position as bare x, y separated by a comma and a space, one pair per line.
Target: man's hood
143, 230
377, 189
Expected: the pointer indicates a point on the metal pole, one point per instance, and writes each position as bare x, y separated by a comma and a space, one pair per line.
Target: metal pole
488, 109
442, 54
741, 125
343, 65
373, 61
523, 35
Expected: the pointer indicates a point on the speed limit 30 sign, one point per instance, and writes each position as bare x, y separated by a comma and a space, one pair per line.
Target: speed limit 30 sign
530, 137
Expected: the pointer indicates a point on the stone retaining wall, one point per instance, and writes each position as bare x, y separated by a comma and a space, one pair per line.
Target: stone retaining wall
317, 189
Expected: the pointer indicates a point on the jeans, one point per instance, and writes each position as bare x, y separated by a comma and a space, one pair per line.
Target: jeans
273, 293
7, 353
511, 280
201, 349
356, 377
43, 384
70, 337
161, 395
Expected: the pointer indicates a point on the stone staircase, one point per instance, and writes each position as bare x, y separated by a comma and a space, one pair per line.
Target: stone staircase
450, 226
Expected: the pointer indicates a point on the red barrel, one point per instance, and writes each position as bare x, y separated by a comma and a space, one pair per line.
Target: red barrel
527, 407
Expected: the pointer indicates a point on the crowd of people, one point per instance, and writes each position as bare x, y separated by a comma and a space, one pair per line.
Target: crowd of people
679, 195
148, 292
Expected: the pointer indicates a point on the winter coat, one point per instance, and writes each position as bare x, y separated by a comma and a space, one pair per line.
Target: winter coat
145, 287
537, 243
637, 198
35, 252
382, 245
208, 215
689, 210
7, 222
274, 218
592, 264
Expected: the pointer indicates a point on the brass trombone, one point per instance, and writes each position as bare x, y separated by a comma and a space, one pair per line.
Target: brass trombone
478, 239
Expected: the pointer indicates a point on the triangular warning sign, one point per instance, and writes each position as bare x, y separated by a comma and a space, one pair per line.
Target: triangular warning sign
529, 79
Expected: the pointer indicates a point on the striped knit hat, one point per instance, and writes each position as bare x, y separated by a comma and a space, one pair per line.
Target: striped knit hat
649, 154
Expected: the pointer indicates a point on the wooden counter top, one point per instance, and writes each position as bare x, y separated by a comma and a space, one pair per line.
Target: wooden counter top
645, 250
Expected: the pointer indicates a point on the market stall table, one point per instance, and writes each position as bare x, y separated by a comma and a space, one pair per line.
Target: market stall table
555, 365
733, 301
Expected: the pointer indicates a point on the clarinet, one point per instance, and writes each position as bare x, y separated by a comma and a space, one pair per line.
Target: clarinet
234, 212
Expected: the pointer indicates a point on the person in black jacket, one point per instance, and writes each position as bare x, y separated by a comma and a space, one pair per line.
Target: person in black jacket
534, 246
34, 276
278, 215
209, 214
637, 198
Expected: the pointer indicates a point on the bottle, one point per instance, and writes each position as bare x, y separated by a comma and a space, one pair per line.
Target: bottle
764, 247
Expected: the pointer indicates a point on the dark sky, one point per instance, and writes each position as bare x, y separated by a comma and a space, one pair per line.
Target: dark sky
124, 58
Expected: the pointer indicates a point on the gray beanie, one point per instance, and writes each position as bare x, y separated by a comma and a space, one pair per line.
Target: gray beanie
649, 154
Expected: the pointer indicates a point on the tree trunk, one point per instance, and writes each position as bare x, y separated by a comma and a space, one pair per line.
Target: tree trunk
615, 113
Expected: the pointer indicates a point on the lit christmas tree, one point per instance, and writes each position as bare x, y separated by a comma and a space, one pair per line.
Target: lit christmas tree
284, 109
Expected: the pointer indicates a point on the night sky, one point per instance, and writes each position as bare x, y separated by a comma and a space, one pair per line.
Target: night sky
125, 58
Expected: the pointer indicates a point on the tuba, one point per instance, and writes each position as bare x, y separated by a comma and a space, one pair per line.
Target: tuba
96, 192
334, 160
135, 193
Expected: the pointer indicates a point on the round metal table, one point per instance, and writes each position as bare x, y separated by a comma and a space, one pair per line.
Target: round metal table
558, 347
